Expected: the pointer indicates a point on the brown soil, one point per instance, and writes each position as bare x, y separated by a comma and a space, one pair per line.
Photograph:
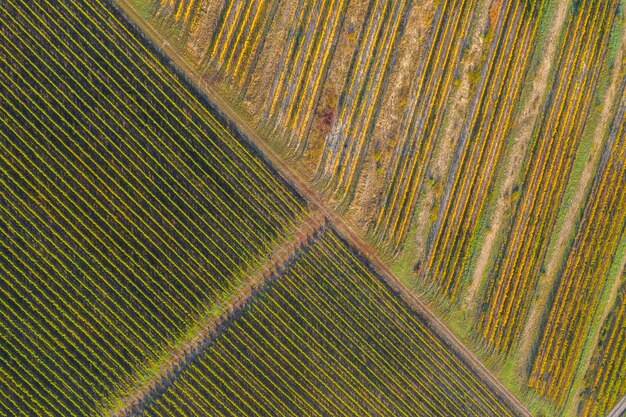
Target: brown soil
494, 11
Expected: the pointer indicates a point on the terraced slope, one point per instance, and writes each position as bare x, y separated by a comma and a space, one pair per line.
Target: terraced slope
128, 210
325, 336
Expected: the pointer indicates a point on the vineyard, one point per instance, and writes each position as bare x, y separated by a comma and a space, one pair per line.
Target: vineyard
315, 75
481, 146
468, 141
422, 119
557, 135
313, 207
145, 244
324, 336
604, 382
585, 272
128, 210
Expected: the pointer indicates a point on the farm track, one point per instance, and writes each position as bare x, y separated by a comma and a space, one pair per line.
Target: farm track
619, 410
182, 357
457, 218
513, 281
120, 177
111, 169
316, 201
327, 289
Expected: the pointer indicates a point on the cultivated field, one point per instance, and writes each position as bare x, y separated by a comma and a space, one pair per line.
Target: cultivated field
314, 75
323, 335
150, 255
557, 134
584, 277
254, 207
481, 145
604, 383
128, 211
474, 143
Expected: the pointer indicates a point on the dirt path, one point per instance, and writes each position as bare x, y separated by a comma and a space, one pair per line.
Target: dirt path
619, 410
182, 357
315, 201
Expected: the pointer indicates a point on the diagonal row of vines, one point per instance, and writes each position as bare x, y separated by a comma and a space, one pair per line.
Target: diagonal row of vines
326, 336
127, 208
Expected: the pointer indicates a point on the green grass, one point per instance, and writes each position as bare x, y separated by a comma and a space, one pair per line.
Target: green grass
143, 7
